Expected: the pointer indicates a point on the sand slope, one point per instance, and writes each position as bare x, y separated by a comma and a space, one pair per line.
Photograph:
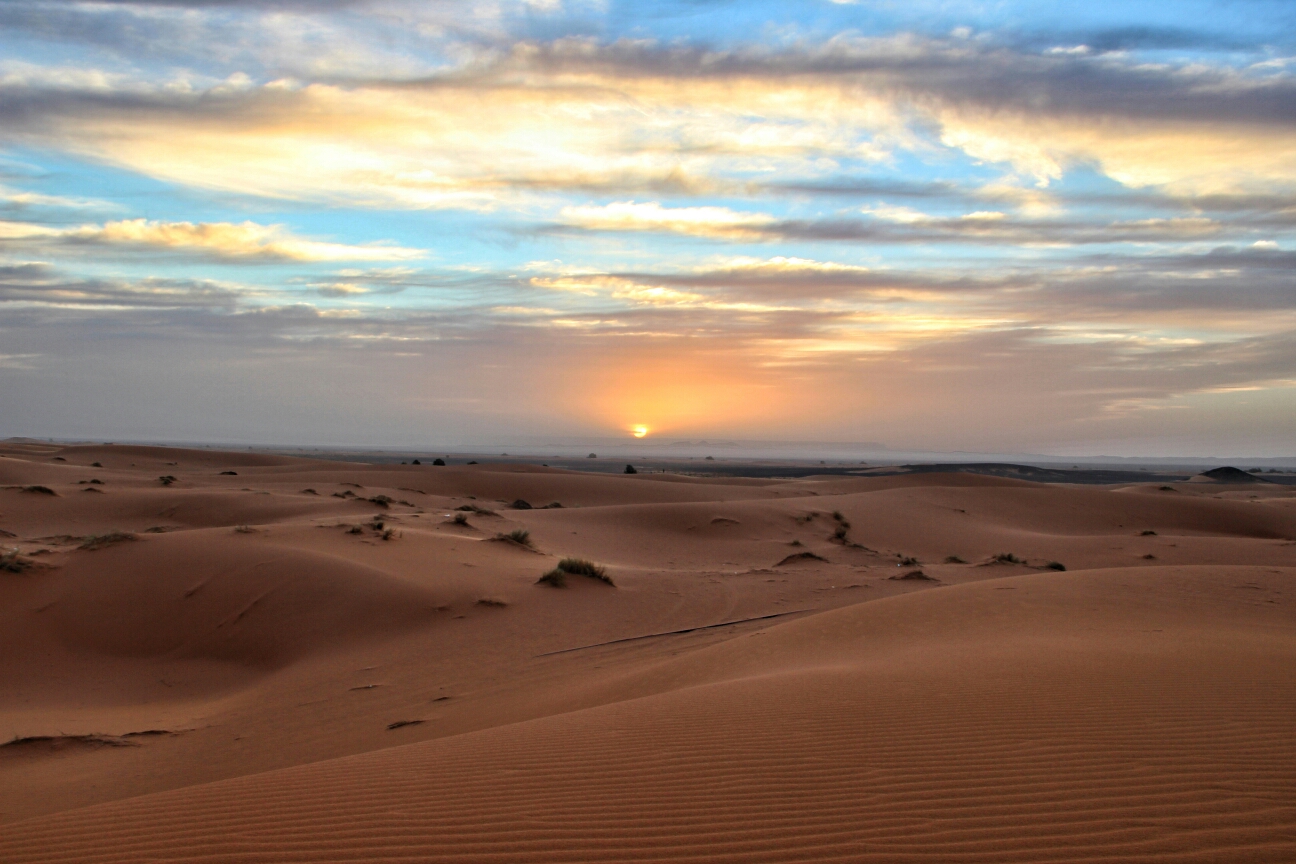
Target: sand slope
1138, 706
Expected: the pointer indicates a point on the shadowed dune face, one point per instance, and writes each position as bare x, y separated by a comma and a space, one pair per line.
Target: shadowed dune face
755, 687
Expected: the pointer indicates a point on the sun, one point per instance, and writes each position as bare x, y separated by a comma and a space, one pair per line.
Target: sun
639, 431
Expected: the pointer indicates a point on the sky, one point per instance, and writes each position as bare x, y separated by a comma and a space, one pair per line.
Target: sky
1064, 228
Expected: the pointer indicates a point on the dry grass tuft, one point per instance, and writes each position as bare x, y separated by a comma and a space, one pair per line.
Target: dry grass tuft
557, 577
99, 541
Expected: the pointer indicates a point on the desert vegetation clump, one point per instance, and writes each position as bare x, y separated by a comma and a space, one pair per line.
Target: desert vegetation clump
497, 602
381, 500
954, 559
12, 562
229, 473
166, 479
914, 575
1055, 565
99, 541
355, 529
557, 577
40, 490
1007, 558
520, 536
438, 462
520, 504
473, 508
95, 465
460, 519
630, 469
908, 561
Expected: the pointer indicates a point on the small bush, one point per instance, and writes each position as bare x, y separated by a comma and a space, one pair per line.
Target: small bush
417, 462
1149, 557
355, 529
592, 456
520, 536
167, 479
554, 578
381, 500
1055, 565
1008, 558
796, 543
438, 462
473, 508
630, 469
519, 504
840, 533
954, 559
12, 562
553, 505
557, 577
40, 490
99, 541
388, 534
95, 465
909, 561
229, 473
309, 492
1167, 488
460, 519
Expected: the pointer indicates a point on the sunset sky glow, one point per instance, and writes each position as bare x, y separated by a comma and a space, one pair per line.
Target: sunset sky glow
964, 226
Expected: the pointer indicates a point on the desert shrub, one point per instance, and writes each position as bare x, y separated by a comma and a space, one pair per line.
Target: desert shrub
1008, 558
229, 473
954, 559
380, 500
521, 536
472, 461
557, 577
519, 504
388, 534
796, 543
39, 490
473, 508
460, 519
552, 505
98, 541
167, 479
630, 469
1055, 565
592, 456
909, 561
1148, 533
840, 533
95, 465
438, 462
355, 529
12, 562
416, 462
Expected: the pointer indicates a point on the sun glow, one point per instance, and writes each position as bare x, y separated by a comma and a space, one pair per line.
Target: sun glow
639, 431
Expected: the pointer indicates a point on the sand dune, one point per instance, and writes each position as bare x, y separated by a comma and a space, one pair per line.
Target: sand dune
314, 692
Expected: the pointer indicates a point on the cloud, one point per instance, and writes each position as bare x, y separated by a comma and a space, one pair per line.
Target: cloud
223, 240
499, 125
651, 216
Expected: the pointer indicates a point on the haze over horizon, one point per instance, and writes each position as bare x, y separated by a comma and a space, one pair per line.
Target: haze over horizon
975, 227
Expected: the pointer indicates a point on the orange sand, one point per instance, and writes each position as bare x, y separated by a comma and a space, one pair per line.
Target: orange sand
1131, 708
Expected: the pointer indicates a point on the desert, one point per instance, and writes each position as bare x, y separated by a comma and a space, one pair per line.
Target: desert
221, 656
